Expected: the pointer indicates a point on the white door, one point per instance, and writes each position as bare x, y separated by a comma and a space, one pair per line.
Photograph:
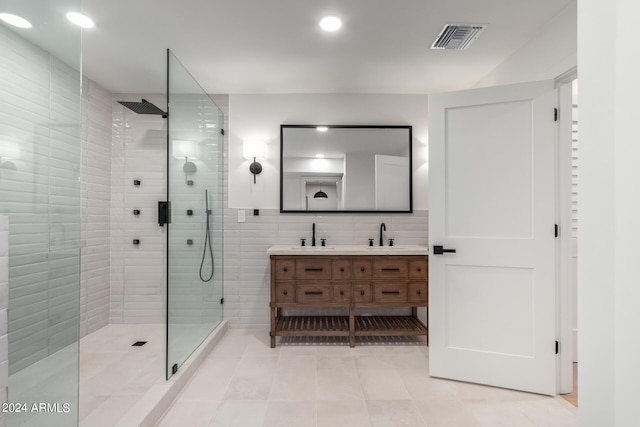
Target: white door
492, 309
390, 175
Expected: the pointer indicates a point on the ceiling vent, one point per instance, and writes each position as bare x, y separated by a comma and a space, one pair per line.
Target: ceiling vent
457, 36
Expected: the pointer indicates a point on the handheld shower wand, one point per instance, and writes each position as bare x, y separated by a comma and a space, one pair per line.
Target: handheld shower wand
207, 240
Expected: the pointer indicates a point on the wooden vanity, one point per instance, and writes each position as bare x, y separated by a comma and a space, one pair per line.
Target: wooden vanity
350, 278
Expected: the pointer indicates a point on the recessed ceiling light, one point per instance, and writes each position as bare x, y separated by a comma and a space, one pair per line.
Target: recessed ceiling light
14, 20
322, 128
80, 20
330, 23
320, 156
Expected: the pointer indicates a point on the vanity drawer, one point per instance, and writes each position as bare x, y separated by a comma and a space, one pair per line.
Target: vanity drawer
418, 292
361, 292
341, 292
418, 269
341, 269
313, 269
285, 292
284, 269
362, 269
390, 268
309, 293
390, 292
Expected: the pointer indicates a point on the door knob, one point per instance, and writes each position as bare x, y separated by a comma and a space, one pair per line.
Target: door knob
439, 250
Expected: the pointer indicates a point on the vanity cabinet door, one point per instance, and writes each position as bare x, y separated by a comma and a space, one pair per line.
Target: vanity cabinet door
390, 268
284, 269
341, 292
313, 293
361, 292
390, 292
341, 269
313, 269
285, 292
362, 269
418, 292
418, 269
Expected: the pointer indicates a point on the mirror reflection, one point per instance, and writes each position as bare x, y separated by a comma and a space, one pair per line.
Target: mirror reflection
345, 168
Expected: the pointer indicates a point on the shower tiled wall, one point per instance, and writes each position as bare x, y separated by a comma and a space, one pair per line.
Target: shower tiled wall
96, 198
137, 272
4, 304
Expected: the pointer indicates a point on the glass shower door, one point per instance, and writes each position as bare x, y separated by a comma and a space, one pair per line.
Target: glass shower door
194, 238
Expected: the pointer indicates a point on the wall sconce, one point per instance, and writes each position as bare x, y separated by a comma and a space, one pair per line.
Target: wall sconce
184, 150
253, 150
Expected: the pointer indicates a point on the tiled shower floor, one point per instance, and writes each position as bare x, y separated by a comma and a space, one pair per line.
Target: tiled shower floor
114, 375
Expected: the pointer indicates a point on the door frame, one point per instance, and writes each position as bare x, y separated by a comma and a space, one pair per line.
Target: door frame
566, 301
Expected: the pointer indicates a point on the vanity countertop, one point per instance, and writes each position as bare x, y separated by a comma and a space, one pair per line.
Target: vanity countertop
348, 250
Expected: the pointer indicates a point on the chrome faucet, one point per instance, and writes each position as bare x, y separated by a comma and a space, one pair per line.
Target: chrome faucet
313, 234
382, 227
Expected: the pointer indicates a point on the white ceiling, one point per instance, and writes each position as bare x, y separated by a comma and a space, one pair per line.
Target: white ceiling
276, 46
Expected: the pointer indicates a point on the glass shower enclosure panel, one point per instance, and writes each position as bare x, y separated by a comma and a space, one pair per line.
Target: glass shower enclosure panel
40, 197
194, 238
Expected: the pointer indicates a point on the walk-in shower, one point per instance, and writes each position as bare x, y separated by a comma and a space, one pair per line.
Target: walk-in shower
150, 278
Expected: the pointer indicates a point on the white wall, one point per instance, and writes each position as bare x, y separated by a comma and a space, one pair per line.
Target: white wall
608, 268
260, 117
552, 52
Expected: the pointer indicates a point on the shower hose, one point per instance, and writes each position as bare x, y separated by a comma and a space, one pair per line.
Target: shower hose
207, 242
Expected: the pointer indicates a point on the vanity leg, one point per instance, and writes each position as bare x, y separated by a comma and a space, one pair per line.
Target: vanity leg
352, 327
272, 333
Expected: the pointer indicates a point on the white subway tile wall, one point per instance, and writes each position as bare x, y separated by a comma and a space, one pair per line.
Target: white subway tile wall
96, 199
41, 195
4, 304
137, 271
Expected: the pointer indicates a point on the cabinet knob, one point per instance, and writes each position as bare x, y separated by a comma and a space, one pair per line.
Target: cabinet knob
285, 292
285, 269
362, 269
361, 292
341, 293
419, 269
341, 269
419, 292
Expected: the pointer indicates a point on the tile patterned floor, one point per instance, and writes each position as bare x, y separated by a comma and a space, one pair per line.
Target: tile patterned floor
245, 383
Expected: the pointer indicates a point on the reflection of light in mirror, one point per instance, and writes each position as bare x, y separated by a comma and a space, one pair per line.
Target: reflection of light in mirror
320, 156
322, 128
320, 165
210, 125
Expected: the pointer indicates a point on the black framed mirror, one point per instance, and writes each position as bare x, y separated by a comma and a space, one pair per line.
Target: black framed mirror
345, 169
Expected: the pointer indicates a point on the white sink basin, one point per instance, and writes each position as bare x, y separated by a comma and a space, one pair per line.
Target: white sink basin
348, 250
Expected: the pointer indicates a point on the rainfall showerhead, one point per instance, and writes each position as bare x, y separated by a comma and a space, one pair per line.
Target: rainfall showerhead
144, 107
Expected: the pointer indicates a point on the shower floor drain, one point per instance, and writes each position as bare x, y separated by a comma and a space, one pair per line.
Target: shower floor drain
138, 344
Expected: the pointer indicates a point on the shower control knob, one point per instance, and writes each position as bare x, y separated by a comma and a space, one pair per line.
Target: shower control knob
189, 242
136, 211
189, 212
136, 241
136, 182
